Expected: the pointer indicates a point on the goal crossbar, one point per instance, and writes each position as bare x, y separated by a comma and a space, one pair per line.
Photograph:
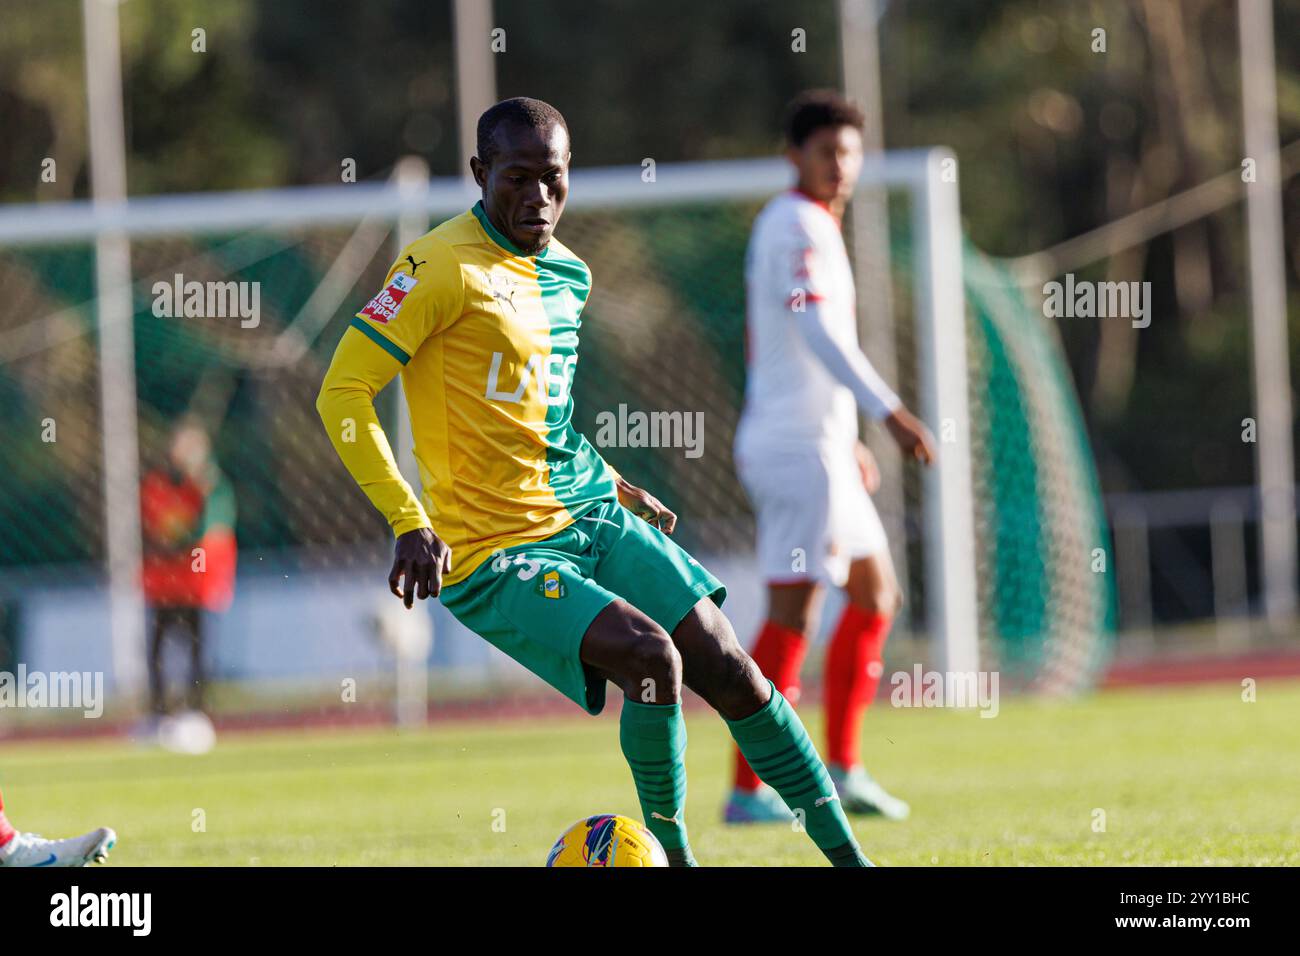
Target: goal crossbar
928, 176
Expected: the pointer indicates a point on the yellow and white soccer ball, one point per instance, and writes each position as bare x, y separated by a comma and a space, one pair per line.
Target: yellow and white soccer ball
607, 839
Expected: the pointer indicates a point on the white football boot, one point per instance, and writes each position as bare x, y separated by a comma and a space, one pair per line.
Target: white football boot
861, 795
31, 849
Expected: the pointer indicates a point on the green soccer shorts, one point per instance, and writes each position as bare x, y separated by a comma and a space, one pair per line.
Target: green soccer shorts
535, 601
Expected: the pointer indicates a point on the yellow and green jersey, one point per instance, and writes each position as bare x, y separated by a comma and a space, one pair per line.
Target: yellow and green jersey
486, 340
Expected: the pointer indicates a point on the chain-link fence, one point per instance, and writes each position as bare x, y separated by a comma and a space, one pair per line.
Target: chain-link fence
663, 332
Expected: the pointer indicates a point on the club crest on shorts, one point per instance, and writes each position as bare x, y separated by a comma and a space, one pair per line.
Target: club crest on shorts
550, 586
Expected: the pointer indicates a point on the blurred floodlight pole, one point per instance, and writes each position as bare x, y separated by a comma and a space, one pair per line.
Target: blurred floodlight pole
869, 234
116, 346
1273, 447
476, 81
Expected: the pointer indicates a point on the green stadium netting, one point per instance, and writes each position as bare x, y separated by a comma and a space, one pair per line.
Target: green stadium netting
664, 330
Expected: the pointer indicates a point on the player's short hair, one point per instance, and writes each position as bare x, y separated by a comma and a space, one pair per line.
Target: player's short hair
815, 109
522, 110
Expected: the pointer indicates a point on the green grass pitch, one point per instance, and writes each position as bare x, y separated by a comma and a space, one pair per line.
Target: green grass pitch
1183, 776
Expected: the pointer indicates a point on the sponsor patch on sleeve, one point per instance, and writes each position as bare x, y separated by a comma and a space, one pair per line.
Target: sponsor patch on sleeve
384, 307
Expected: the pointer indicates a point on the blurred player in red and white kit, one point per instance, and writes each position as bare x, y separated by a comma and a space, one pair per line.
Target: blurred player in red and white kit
799, 456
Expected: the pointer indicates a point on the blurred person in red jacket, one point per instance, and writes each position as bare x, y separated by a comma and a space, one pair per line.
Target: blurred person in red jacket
187, 511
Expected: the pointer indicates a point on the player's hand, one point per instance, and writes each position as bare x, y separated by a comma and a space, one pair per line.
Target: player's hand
867, 468
913, 438
645, 505
421, 557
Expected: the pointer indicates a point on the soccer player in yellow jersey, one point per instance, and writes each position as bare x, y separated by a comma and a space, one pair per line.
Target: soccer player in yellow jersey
523, 531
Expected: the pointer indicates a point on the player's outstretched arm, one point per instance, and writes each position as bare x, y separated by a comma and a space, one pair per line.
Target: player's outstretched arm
346, 405
846, 363
854, 370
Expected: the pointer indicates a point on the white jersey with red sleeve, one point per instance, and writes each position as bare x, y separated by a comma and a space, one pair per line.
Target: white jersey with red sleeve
806, 373
806, 378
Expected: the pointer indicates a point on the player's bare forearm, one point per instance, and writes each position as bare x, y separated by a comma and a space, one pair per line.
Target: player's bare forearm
645, 505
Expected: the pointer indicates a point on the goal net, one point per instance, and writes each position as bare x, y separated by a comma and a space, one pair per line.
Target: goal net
1002, 542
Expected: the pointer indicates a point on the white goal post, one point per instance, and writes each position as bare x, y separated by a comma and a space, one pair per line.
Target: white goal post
927, 176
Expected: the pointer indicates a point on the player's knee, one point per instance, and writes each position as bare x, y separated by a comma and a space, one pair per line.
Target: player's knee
742, 689
654, 668
885, 599
718, 668
794, 607
891, 602
736, 686
791, 618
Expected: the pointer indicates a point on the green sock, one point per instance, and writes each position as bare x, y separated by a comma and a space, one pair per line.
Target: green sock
654, 742
776, 745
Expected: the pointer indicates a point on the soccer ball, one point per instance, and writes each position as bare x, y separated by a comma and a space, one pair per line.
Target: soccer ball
607, 839
190, 732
